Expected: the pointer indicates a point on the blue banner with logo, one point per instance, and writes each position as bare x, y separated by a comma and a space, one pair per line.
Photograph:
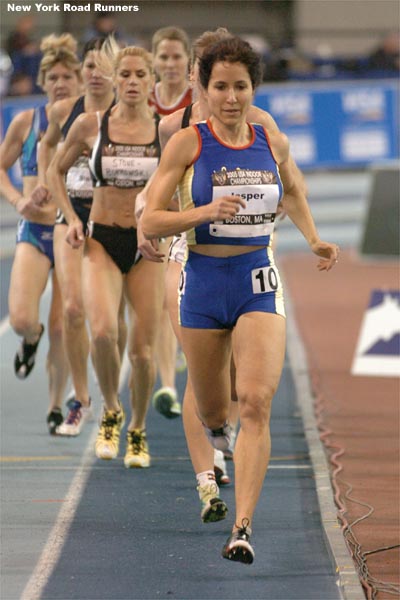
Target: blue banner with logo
329, 125
347, 124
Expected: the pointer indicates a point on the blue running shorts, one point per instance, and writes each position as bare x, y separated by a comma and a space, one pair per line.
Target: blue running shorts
214, 292
40, 236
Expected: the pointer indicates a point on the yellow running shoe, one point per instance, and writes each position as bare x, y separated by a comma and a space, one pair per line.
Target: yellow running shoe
107, 442
137, 450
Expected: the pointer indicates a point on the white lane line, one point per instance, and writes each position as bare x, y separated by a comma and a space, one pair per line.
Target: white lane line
58, 534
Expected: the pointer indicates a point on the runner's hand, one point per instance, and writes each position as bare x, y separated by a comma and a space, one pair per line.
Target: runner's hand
40, 196
225, 207
328, 253
28, 210
75, 236
149, 249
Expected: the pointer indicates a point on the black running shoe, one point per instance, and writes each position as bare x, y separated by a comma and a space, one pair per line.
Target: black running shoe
54, 419
25, 358
238, 547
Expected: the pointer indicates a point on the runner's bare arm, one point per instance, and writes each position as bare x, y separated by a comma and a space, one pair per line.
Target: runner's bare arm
74, 146
157, 220
296, 205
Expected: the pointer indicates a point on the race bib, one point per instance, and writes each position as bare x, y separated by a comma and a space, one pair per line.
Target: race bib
261, 194
265, 279
79, 182
124, 171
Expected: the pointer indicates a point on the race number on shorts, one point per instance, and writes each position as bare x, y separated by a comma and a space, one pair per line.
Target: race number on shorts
265, 279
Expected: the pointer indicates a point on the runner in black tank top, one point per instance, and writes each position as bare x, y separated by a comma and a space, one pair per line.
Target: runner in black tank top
124, 146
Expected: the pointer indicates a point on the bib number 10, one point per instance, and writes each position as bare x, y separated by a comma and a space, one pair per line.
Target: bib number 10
265, 280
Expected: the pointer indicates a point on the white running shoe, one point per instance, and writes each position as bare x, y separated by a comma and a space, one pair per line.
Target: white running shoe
77, 416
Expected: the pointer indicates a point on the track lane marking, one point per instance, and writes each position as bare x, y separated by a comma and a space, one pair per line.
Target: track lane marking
59, 532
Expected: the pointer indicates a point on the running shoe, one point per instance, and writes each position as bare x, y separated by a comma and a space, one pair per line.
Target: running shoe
220, 438
165, 401
24, 360
77, 416
212, 507
137, 450
238, 547
53, 420
107, 442
221, 473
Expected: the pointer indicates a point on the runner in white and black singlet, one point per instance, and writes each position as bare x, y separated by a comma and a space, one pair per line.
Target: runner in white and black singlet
124, 147
99, 95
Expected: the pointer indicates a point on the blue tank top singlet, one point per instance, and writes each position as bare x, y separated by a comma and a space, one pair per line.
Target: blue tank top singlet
30, 146
220, 170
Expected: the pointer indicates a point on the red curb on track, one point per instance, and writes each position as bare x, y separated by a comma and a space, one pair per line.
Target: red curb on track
356, 413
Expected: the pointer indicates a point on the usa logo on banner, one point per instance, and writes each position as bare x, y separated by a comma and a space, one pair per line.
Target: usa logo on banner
378, 348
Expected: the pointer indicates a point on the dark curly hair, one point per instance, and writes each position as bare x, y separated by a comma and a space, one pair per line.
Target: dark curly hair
231, 50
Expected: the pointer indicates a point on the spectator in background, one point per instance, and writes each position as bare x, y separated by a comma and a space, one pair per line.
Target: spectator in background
21, 39
25, 56
105, 24
386, 56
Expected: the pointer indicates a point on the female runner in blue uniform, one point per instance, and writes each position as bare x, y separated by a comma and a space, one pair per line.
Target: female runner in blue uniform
59, 76
99, 95
231, 176
208, 463
125, 151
